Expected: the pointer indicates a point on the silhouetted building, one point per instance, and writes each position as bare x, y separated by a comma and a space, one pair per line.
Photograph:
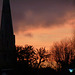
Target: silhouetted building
7, 38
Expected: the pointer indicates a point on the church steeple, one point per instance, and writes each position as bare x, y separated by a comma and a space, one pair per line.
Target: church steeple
6, 20
7, 38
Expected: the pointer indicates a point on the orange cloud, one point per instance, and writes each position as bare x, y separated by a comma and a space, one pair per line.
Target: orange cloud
44, 37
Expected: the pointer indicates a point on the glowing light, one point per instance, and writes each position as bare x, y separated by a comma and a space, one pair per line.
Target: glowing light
71, 70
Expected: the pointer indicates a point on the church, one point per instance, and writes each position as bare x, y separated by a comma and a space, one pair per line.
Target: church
7, 38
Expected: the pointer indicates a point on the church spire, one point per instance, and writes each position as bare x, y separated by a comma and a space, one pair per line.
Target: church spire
6, 20
7, 38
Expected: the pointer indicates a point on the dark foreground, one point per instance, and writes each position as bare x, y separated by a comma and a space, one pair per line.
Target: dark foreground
46, 71
25, 70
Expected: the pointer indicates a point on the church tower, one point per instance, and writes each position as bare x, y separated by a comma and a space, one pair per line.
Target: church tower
7, 38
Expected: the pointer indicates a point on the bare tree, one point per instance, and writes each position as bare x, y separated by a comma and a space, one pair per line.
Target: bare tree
41, 56
73, 42
20, 56
34, 57
25, 53
63, 53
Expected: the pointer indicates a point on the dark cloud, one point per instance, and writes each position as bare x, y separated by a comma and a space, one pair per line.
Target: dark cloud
28, 14
29, 35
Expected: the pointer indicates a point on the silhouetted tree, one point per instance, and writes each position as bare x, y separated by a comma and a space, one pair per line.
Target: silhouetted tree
20, 56
34, 57
41, 56
63, 53
73, 42
25, 53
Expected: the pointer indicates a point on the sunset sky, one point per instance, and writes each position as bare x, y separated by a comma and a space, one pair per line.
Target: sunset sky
42, 22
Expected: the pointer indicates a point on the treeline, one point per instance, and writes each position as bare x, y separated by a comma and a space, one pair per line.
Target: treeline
33, 57
59, 58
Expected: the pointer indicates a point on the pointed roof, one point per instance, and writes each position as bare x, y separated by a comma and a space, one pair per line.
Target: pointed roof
6, 20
